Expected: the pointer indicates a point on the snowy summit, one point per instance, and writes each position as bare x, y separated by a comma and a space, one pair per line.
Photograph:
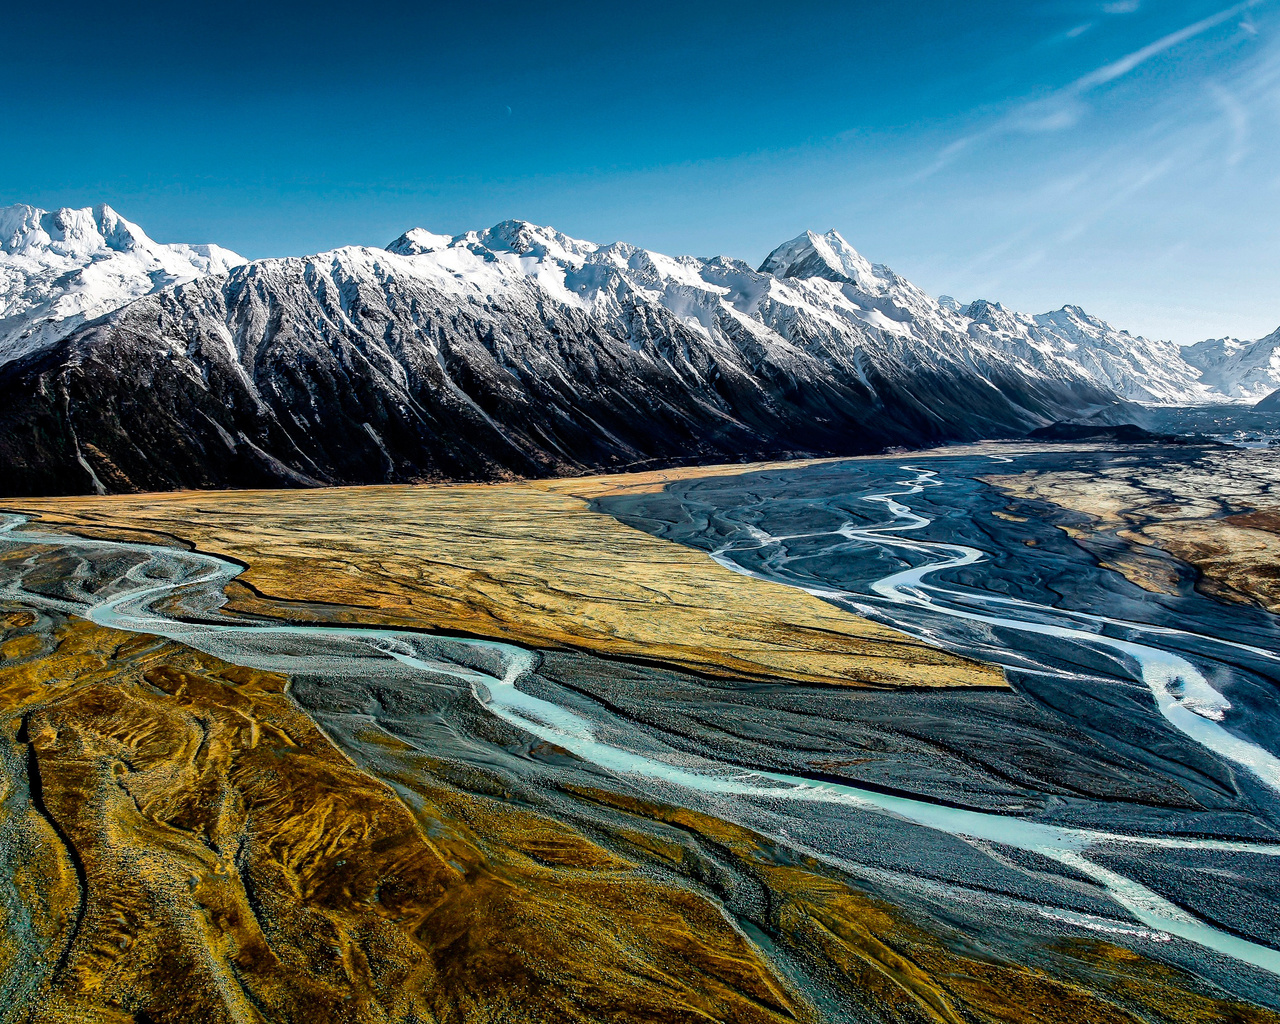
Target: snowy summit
59, 269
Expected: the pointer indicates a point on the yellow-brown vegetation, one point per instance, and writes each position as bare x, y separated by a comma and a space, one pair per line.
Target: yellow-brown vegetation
1218, 514
191, 846
910, 974
527, 563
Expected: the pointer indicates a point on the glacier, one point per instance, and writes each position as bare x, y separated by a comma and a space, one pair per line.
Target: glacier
1238, 370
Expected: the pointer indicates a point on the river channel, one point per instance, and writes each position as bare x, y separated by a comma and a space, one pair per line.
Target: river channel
1126, 786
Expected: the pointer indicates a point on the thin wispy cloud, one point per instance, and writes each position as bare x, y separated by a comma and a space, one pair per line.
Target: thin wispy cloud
1138, 178
1180, 173
1065, 107
1236, 119
1129, 62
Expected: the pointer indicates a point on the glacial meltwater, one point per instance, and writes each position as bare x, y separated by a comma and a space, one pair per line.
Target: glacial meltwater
1127, 785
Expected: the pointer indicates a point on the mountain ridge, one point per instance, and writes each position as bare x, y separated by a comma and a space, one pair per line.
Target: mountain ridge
1136, 368
520, 351
513, 351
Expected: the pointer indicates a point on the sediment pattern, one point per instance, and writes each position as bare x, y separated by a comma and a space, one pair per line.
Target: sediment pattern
191, 846
313, 822
527, 563
1217, 510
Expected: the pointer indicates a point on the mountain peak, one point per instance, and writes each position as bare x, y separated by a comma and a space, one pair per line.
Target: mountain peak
1072, 316
527, 239
416, 241
826, 256
979, 308
1079, 313
25, 229
59, 268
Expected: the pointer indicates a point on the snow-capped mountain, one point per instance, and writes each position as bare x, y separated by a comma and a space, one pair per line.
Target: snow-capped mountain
519, 350
1067, 342
1242, 370
59, 269
1135, 368
512, 350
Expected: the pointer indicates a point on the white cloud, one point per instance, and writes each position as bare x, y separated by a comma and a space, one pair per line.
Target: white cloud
1066, 107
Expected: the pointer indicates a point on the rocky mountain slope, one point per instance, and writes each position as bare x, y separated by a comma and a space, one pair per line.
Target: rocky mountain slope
514, 351
1135, 368
59, 269
517, 351
1241, 370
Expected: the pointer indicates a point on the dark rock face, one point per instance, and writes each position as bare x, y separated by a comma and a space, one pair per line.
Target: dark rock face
1120, 433
1269, 404
352, 367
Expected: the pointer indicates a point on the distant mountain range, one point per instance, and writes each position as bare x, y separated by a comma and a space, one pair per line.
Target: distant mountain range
131, 365
1239, 370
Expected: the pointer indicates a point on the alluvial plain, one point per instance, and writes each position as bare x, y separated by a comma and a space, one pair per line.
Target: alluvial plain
330, 822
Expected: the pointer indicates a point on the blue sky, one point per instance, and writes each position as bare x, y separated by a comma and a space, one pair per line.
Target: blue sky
1119, 154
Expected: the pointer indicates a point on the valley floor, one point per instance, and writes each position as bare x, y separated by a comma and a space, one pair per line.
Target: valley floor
525, 752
